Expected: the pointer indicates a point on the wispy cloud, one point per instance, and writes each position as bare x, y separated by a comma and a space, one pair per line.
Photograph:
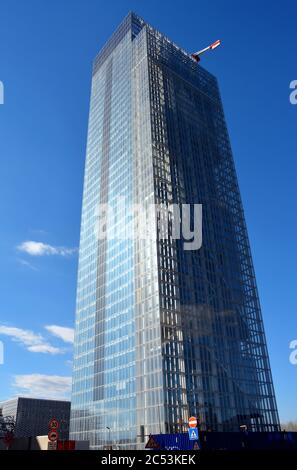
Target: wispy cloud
33, 342
62, 332
25, 263
39, 231
42, 386
43, 249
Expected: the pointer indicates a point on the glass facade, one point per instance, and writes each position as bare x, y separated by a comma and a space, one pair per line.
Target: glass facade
162, 332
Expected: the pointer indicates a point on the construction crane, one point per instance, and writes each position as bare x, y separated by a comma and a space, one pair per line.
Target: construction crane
214, 45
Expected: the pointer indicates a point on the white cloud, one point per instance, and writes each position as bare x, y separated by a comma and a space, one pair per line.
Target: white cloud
41, 249
45, 348
43, 386
34, 342
62, 332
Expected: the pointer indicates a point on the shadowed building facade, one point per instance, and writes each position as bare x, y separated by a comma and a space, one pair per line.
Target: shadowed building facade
163, 333
32, 416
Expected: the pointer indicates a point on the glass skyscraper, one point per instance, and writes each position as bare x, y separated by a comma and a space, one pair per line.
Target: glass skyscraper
163, 332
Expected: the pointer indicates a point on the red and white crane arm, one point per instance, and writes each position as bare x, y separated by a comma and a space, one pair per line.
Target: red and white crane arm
214, 45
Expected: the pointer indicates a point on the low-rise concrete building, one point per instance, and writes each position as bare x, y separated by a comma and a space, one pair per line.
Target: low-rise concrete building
32, 416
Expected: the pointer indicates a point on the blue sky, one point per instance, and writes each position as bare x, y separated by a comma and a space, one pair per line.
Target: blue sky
46, 49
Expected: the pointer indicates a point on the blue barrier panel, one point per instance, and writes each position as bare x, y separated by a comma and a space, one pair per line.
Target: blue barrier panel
225, 441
